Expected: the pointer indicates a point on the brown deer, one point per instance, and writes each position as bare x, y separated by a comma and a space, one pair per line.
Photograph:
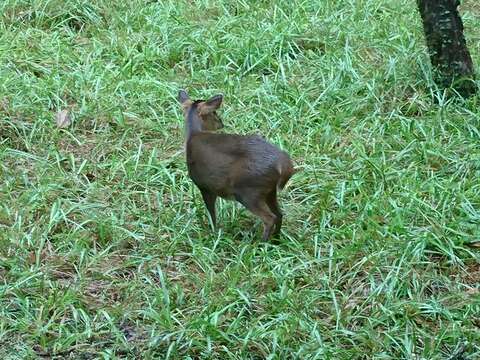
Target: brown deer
245, 168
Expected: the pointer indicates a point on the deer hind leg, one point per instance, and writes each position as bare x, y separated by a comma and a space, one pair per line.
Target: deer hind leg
272, 203
256, 202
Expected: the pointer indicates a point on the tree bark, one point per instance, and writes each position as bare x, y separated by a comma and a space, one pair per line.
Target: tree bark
452, 63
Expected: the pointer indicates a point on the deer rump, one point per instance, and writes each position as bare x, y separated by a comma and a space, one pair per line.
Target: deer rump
226, 163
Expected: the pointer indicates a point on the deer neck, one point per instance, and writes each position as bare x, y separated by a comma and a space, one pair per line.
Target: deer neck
193, 122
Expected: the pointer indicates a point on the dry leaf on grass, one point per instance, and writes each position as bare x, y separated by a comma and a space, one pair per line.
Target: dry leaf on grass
472, 291
62, 118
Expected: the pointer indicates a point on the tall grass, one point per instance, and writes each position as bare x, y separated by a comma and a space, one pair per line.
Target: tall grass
105, 248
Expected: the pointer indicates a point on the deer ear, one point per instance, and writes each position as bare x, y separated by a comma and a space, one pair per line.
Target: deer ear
211, 104
182, 96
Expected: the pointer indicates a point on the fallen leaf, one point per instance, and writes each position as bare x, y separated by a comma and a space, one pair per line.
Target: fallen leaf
472, 291
62, 119
4, 104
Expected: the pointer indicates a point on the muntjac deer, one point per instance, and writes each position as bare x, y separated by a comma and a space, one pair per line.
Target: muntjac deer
245, 168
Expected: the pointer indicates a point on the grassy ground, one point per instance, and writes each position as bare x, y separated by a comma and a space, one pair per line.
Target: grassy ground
105, 249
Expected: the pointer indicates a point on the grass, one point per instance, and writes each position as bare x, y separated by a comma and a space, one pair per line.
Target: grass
105, 248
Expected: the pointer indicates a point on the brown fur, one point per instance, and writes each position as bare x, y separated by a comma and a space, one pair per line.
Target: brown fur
245, 168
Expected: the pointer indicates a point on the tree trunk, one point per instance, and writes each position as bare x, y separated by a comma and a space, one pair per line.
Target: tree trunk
448, 50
